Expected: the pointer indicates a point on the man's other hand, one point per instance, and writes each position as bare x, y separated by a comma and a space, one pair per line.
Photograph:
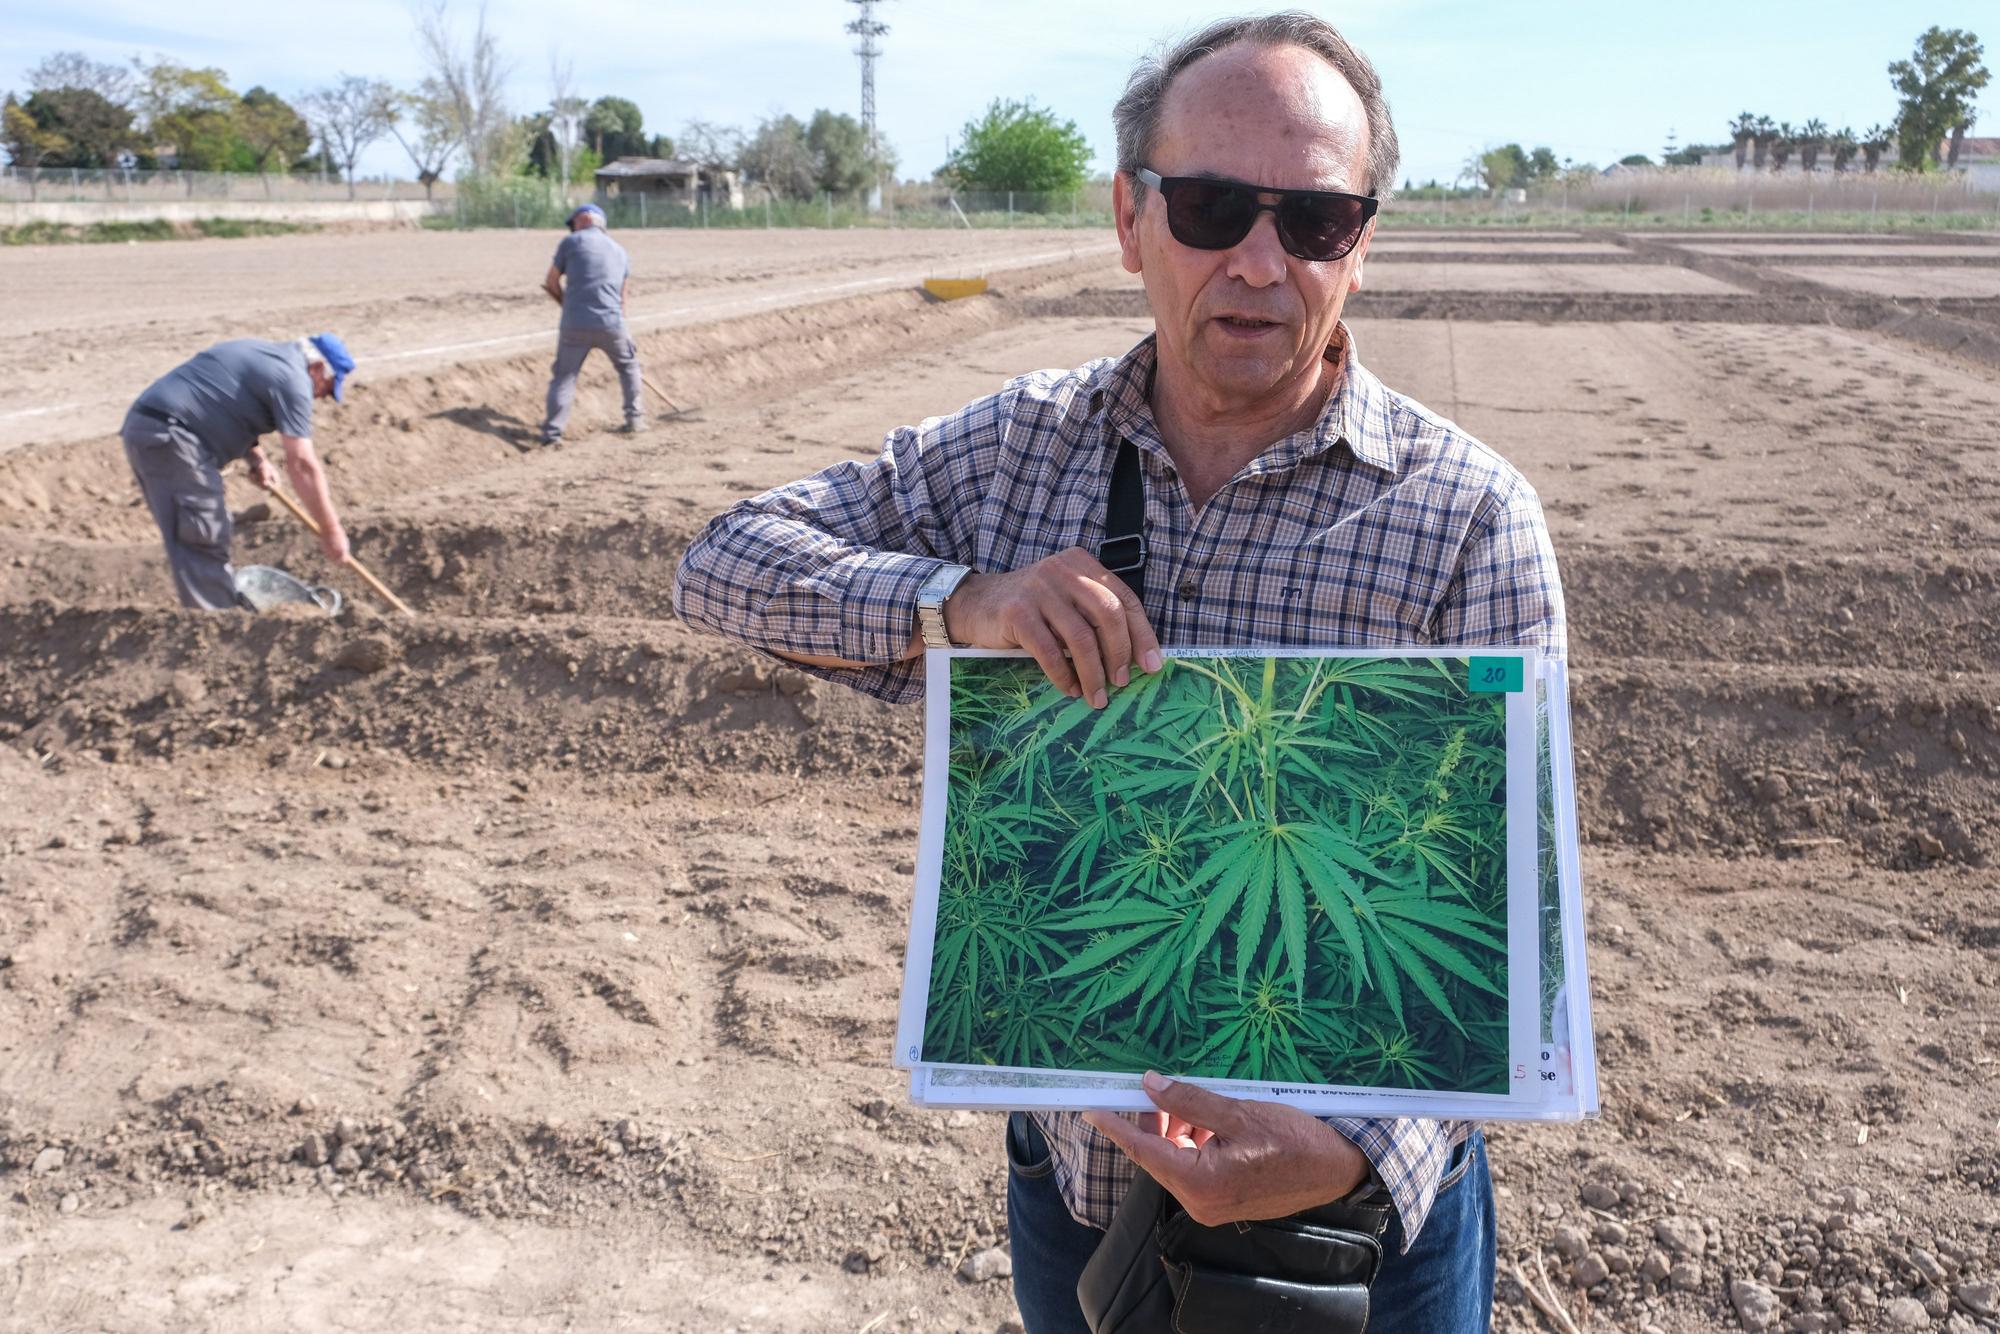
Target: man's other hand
1081, 622
262, 473
333, 545
1228, 1159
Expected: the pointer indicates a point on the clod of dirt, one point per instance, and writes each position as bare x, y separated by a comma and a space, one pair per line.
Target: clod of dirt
367, 654
984, 1266
1569, 1242
259, 512
1756, 1305
48, 1162
1906, 1313
185, 688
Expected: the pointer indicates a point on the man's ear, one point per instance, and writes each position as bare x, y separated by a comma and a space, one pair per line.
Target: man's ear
1360, 257
1125, 207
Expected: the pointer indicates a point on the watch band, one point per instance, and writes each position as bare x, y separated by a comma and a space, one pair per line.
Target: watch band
937, 591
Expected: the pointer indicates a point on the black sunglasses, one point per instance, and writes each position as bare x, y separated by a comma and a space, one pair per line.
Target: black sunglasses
1215, 215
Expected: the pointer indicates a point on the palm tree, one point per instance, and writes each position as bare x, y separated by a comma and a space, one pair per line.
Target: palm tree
1844, 146
1782, 145
1740, 132
1761, 135
1878, 138
1811, 139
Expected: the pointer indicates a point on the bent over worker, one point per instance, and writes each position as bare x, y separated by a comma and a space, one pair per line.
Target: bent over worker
209, 411
593, 316
1281, 494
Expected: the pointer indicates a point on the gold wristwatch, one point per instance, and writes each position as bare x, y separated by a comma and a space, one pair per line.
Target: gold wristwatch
937, 591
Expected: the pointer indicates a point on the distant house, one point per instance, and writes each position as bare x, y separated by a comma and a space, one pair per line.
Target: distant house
669, 183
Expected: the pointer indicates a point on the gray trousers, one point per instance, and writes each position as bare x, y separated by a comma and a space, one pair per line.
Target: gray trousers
183, 489
572, 347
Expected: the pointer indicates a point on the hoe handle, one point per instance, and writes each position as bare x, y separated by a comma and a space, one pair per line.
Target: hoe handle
352, 560
672, 406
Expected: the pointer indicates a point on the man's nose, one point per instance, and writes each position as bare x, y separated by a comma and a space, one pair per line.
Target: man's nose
1259, 258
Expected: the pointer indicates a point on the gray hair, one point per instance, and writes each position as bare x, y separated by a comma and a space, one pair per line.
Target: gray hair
1137, 115
314, 357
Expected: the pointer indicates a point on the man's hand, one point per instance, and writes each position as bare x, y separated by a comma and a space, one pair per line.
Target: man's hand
261, 471
333, 545
1226, 1159
1067, 604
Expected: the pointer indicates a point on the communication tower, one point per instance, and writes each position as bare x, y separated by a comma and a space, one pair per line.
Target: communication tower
868, 28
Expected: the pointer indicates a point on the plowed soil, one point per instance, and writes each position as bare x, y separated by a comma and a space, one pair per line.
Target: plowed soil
532, 964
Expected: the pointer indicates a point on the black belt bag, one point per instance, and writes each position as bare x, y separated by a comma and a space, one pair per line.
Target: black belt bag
1157, 1271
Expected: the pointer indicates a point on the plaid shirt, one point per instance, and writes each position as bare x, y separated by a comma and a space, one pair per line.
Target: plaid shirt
1381, 524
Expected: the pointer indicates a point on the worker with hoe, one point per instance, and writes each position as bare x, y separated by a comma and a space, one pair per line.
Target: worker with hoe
593, 316
1278, 493
209, 411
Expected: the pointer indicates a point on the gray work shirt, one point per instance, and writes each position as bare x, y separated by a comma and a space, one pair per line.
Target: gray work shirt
594, 269
235, 392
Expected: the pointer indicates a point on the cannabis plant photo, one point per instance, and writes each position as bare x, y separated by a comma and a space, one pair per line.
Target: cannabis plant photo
1283, 869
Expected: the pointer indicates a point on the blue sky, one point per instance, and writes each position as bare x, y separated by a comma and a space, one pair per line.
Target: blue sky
1591, 81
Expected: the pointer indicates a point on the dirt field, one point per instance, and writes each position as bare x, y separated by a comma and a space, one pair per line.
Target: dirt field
85, 328
532, 964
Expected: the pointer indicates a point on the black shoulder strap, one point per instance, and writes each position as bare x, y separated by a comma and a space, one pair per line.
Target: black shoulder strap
1124, 549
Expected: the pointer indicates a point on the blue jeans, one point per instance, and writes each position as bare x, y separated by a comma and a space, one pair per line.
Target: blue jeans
1443, 1286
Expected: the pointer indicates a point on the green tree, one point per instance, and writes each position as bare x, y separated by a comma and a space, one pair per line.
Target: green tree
615, 128
839, 148
778, 157
1542, 164
29, 144
1690, 155
270, 133
93, 131
88, 103
533, 130
1635, 160
1938, 85
1843, 144
190, 112
1502, 168
1019, 146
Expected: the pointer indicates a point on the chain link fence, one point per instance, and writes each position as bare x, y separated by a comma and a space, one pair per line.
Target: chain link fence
92, 185
1704, 196
530, 202
1691, 197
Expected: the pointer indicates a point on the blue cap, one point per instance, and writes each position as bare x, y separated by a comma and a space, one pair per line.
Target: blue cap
591, 209
338, 358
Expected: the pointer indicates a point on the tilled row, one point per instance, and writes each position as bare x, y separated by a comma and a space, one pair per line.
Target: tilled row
1937, 613
1804, 303
471, 422
1903, 766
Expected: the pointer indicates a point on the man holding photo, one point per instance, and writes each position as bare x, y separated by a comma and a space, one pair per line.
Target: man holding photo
1289, 498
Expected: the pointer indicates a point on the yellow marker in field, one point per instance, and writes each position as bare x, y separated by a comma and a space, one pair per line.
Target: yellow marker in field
951, 289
